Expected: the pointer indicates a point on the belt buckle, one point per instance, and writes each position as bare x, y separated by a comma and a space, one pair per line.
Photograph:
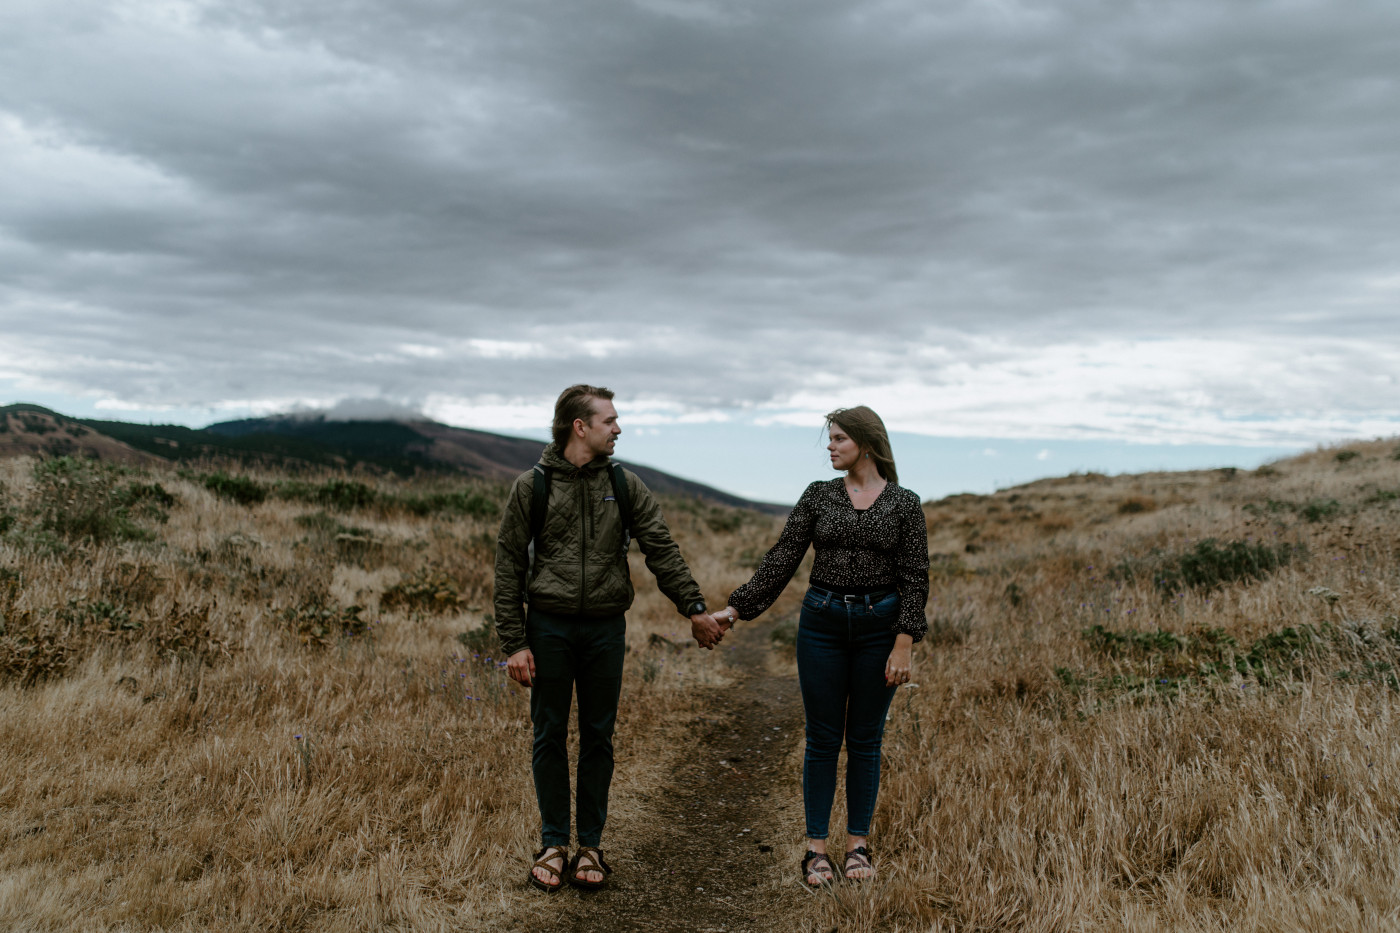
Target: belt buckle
851, 600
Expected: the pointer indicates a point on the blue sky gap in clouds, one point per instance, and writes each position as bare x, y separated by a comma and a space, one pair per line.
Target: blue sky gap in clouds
1140, 226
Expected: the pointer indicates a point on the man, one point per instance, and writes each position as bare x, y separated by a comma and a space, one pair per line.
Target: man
574, 635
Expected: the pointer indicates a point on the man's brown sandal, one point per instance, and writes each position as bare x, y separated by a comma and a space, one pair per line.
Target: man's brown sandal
857, 859
595, 863
542, 859
813, 865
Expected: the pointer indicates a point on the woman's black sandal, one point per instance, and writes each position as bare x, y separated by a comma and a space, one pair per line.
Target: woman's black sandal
856, 859
542, 859
811, 867
595, 856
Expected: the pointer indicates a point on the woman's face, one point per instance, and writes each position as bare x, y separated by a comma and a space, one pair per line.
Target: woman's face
844, 452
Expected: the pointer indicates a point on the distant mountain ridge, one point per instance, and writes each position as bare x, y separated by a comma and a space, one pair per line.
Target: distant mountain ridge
404, 447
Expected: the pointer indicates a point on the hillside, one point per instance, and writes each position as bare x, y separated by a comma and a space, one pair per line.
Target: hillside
405, 448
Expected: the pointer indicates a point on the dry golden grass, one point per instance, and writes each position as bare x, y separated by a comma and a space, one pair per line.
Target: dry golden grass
224, 767
254, 777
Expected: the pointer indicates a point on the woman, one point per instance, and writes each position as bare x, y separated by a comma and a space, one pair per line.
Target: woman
862, 614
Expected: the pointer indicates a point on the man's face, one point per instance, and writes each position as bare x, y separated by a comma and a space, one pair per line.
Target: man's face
600, 432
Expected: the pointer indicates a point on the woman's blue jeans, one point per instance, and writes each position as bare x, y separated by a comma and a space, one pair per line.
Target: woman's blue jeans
842, 649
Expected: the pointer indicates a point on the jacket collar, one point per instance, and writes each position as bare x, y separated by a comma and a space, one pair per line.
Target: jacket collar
553, 458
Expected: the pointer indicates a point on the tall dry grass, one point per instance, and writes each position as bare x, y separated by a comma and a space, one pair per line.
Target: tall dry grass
1041, 778
1086, 749
231, 725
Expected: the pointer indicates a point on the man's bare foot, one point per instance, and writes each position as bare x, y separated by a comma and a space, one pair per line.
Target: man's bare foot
588, 869
548, 872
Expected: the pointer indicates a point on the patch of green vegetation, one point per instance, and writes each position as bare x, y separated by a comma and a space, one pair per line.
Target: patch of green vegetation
86, 500
723, 520
241, 489
471, 503
1212, 564
428, 590
1180, 660
351, 542
481, 640
1370, 672
99, 614
341, 494
1344, 456
1269, 507
1381, 496
320, 622
1118, 685
1314, 510
35, 424
1317, 510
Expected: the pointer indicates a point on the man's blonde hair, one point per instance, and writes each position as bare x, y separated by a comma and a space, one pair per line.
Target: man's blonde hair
574, 403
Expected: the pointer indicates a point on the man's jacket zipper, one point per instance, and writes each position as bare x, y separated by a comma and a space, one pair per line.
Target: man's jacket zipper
583, 551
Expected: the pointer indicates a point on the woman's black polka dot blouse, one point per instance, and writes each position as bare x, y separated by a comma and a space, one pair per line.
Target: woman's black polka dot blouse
884, 545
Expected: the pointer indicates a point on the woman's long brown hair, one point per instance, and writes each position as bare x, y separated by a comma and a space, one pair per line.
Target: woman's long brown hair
868, 431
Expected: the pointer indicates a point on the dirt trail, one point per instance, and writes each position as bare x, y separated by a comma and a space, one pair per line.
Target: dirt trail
700, 854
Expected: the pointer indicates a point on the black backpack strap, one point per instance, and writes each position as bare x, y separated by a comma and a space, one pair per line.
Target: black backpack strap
539, 504
623, 492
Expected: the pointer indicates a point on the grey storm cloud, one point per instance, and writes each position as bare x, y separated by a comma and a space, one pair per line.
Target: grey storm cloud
731, 204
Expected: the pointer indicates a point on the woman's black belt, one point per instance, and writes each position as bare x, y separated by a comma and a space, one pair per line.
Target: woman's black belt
855, 599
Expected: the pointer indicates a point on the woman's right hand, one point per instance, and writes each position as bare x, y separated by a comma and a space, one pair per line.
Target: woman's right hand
726, 618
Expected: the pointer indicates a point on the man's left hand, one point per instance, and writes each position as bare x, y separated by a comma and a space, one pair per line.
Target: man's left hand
706, 630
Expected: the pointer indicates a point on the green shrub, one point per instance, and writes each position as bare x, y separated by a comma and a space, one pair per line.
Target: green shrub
99, 614
341, 494
481, 640
319, 622
428, 590
351, 542
1269, 507
468, 502
1169, 662
1211, 564
725, 520
240, 489
1345, 455
87, 500
1320, 509
345, 494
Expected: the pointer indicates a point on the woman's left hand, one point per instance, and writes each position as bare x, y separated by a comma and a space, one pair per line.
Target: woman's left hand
901, 662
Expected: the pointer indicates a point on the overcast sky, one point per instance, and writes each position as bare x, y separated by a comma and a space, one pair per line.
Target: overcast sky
1101, 221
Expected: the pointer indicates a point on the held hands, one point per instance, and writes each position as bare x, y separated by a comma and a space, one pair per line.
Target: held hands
726, 618
521, 667
706, 630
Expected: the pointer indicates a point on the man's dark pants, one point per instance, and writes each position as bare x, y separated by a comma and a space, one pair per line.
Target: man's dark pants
573, 651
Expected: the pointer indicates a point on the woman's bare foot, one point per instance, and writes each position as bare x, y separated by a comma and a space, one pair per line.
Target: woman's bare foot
858, 867
816, 867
